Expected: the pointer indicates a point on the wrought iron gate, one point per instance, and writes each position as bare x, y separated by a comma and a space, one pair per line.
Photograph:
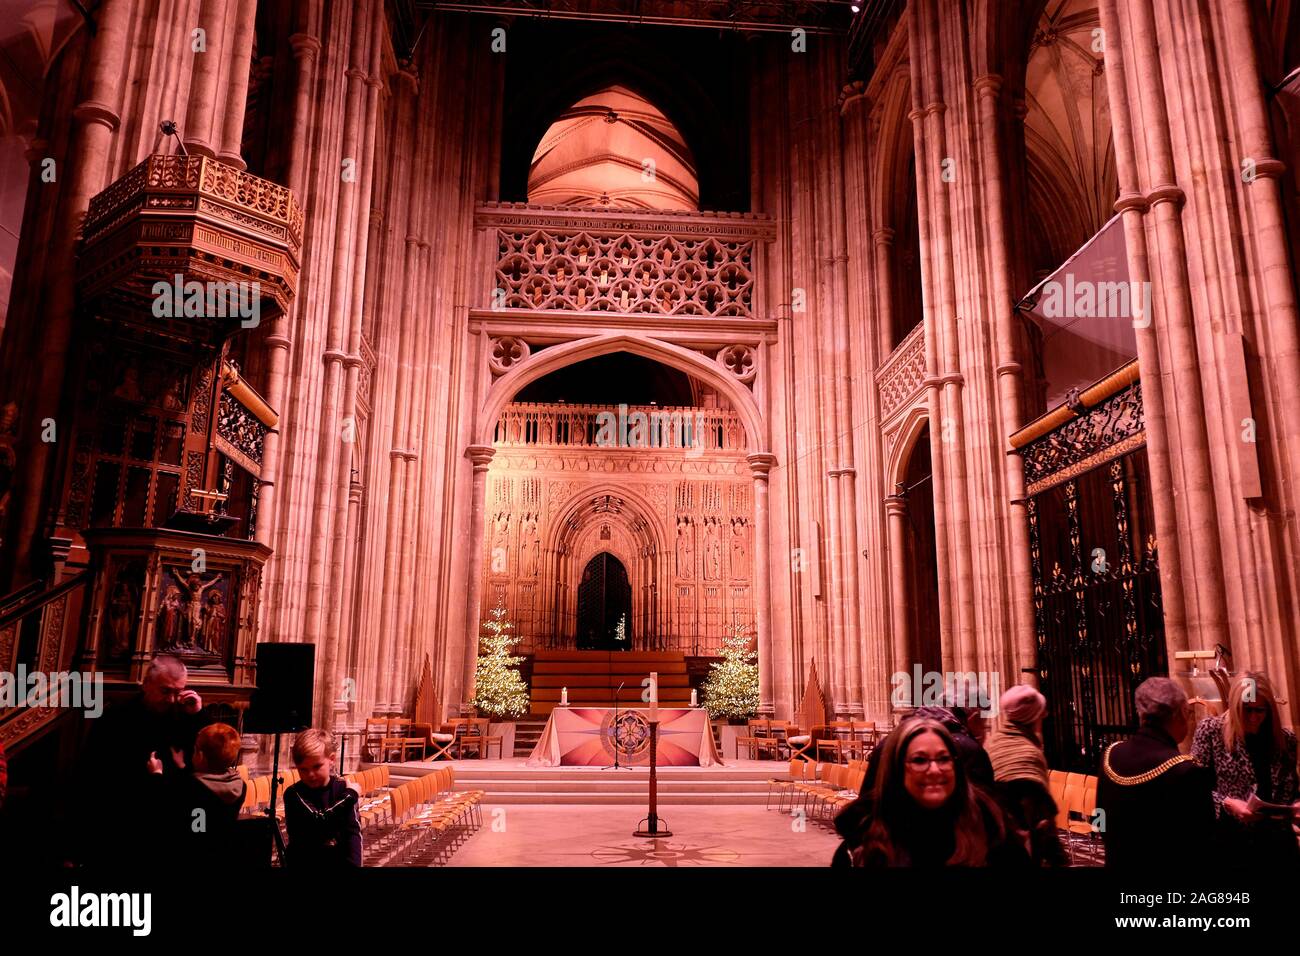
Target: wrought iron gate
1093, 551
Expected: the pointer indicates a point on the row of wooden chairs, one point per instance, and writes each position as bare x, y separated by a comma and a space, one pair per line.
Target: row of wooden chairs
821, 790
766, 737
388, 738
1076, 804
257, 793
421, 822
837, 741
841, 739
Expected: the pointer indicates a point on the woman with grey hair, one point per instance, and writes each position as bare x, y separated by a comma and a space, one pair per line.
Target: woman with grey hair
1154, 802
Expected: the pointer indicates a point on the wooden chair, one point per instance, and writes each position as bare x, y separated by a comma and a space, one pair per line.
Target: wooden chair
768, 739
467, 737
375, 732
1080, 804
750, 740
836, 743
491, 740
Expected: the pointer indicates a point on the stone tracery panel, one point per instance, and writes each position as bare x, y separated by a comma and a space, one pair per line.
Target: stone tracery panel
594, 271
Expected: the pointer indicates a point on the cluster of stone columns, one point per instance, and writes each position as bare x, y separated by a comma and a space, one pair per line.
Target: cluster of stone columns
1202, 205
361, 486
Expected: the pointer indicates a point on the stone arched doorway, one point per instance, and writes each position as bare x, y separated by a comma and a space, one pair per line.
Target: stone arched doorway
604, 605
913, 556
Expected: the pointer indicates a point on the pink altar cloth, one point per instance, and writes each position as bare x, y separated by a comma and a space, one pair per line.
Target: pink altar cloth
583, 737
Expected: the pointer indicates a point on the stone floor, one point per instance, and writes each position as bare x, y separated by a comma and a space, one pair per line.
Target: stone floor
602, 836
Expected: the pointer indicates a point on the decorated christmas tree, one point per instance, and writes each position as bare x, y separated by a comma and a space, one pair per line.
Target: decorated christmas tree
731, 690
499, 691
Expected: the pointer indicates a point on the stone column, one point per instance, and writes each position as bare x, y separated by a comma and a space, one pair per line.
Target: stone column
899, 617
1009, 386
760, 464
199, 134
240, 56
481, 457
87, 170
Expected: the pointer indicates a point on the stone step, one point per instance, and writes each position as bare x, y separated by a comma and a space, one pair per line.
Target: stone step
518, 797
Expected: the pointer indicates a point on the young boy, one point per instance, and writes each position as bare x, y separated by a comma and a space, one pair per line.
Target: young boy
201, 807
320, 810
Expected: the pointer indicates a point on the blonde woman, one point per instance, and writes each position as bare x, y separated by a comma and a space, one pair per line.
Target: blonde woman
1251, 753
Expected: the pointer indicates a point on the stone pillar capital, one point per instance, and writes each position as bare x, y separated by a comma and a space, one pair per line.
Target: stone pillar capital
896, 506
884, 236
1131, 200
990, 84
481, 456
92, 111
760, 463
854, 95
304, 45
1166, 192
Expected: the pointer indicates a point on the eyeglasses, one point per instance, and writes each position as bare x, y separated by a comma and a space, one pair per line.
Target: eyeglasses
919, 764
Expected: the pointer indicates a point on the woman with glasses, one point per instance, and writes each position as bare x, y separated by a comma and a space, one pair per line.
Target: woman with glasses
1251, 754
926, 813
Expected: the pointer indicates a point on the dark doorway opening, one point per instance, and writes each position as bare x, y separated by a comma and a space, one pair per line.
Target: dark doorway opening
922, 559
604, 599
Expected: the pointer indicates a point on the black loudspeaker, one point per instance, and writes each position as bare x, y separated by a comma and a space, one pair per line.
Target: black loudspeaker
282, 702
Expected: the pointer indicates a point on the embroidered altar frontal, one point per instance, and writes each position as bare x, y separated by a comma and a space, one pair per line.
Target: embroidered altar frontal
586, 737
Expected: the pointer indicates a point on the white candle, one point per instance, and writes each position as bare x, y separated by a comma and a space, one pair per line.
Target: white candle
654, 687
695, 698
564, 697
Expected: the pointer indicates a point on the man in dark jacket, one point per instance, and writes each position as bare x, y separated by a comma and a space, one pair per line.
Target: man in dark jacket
157, 725
1155, 804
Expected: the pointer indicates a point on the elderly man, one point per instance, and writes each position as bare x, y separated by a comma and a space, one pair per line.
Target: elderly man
155, 729
1156, 804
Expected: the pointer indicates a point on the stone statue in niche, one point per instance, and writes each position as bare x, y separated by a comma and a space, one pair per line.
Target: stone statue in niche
501, 536
528, 546
712, 550
213, 634
739, 563
685, 548
169, 618
121, 615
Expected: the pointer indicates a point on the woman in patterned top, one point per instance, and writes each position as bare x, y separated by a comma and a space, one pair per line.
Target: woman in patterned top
1250, 752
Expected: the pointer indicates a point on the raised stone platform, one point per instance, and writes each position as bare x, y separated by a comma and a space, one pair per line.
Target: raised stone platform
511, 781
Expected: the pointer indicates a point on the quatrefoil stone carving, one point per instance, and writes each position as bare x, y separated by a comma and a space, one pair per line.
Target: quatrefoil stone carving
739, 361
507, 352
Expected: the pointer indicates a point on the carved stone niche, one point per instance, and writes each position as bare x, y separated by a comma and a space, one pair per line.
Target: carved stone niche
195, 596
236, 234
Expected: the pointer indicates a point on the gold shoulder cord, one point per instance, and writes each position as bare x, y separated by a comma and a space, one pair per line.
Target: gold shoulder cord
1142, 777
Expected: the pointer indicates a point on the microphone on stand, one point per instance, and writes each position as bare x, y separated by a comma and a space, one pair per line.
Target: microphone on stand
614, 729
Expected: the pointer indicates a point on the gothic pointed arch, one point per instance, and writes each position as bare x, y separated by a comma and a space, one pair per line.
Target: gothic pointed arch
693, 363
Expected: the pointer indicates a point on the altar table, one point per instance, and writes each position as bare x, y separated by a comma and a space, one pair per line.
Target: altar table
583, 737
